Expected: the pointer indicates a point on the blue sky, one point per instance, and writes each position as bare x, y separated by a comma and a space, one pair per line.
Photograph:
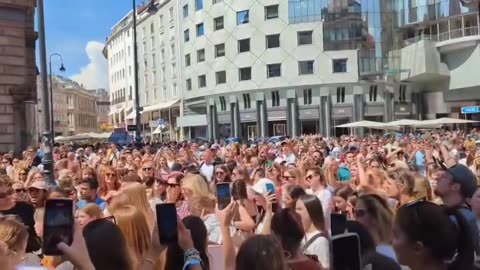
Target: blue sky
72, 24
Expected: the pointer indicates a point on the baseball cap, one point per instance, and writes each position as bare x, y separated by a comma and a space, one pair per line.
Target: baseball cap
261, 186
38, 185
464, 176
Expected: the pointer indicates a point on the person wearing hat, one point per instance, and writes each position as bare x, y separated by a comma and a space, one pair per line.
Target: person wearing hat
38, 193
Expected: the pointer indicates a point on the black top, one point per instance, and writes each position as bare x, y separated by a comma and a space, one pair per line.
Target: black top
25, 212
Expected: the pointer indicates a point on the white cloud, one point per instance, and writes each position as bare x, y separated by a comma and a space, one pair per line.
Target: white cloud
95, 73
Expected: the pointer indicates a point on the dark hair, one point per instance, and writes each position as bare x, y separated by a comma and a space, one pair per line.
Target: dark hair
199, 235
432, 225
286, 224
315, 210
260, 252
91, 182
295, 191
231, 164
366, 241
148, 181
260, 172
344, 192
100, 236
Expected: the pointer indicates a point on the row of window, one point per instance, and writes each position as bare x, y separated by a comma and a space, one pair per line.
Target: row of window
271, 11
164, 95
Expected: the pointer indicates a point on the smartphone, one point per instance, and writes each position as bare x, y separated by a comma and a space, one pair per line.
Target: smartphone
343, 246
271, 190
338, 223
167, 223
224, 195
268, 164
58, 225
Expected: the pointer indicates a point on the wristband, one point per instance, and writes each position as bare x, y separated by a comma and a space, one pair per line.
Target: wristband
191, 261
190, 252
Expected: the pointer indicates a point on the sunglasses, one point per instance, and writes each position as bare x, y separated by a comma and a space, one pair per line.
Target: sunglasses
170, 185
20, 190
109, 174
219, 173
147, 169
4, 195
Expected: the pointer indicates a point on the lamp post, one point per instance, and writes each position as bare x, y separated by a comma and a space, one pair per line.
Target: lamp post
47, 143
62, 69
138, 125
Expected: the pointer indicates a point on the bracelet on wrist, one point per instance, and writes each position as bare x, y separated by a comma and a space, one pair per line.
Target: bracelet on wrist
191, 262
190, 252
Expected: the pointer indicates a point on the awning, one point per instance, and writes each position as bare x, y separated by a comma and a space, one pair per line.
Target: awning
161, 105
115, 111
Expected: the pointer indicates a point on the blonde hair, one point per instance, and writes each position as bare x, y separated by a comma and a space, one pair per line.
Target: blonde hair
201, 205
295, 172
378, 210
197, 185
6, 181
137, 196
134, 227
92, 210
14, 234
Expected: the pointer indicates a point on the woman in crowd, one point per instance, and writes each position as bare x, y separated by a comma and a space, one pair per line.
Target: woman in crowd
293, 177
88, 213
315, 178
292, 193
19, 192
108, 182
137, 197
15, 235
341, 197
158, 193
221, 175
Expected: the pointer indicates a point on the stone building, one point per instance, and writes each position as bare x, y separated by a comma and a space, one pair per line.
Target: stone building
17, 74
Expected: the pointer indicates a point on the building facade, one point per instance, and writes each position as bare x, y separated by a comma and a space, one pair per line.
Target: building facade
119, 53
159, 68
264, 68
17, 74
102, 107
74, 108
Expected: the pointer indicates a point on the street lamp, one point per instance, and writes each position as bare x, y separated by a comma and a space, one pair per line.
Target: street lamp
138, 126
62, 69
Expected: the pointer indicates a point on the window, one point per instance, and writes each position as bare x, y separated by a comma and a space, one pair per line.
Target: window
145, 63
271, 12
130, 91
304, 38
153, 60
185, 11
273, 41
198, 4
172, 50
274, 70
275, 99
174, 90
372, 96
201, 55
153, 42
161, 21
154, 77
220, 50
170, 13
246, 101
163, 73
129, 70
245, 74
305, 67
340, 94
200, 30
163, 55
152, 28
242, 17
244, 45
186, 35
174, 70
187, 60
164, 92
218, 23
339, 65
223, 103
188, 82
402, 93
307, 96
221, 77
202, 81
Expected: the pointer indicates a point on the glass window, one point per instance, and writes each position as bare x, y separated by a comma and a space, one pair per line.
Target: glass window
198, 4
164, 92
170, 13
273, 41
186, 35
305, 67
245, 74
339, 65
223, 103
161, 20
201, 55
187, 60
274, 70
275, 99
153, 60
244, 45
340, 94
372, 96
271, 12
246, 101
218, 23
202, 81
185, 11
152, 28
220, 50
307, 96
221, 77
200, 30
242, 17
188, 82
305, 37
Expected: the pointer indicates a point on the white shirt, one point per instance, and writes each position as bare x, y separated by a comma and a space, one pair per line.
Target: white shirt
207, 170
325, 196
320, 247
387, 251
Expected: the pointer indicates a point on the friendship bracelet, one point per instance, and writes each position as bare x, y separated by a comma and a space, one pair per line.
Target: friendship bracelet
190, 252
190, 262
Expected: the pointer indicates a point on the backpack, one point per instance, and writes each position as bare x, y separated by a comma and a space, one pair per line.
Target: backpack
310, 242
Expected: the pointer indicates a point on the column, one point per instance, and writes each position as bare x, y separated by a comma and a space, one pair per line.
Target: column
325, 116
388, 104
358, 110
262, 122
211, 122
292, 117
235, 119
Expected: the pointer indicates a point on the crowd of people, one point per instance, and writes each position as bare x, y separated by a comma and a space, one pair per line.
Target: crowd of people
412, 200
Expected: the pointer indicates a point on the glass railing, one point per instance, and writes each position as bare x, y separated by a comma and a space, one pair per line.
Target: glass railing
453, 34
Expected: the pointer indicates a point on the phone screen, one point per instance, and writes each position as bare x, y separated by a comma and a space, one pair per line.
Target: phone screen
167, 223
271, 190
268, 164
346, 246
58, 225
223, 195
338, 223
